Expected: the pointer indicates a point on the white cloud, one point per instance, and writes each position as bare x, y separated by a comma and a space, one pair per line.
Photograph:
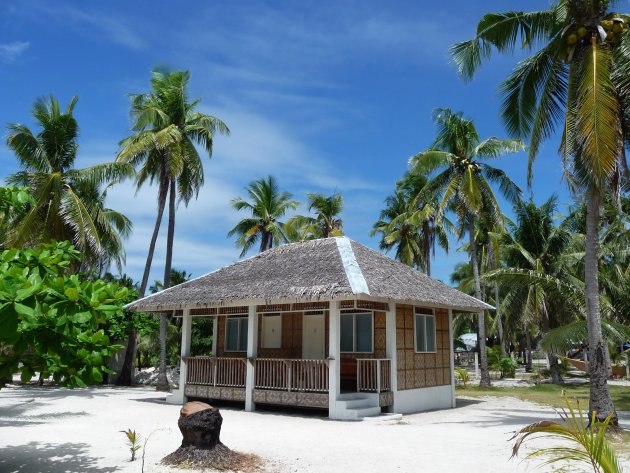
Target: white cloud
258, 146
88, 21
9, 52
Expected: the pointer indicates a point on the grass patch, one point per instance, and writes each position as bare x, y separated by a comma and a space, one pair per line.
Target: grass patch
550, 394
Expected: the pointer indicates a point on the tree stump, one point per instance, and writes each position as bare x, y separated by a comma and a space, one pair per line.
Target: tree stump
200, 425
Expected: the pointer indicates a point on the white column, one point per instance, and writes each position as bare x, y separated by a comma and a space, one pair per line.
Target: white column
252, 352
178, 396
390, 347
215, 334
452, 356
334, 340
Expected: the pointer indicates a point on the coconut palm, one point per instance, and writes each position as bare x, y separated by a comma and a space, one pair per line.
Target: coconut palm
326, 222
410, 226
267, 205
579, 78
166, 128
69, 203
534, 256
463, 181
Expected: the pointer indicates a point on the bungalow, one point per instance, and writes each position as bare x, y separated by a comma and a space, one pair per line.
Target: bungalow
327, 324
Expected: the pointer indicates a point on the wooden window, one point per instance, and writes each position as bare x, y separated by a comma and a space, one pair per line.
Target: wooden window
236, 334
272, 331
424, 321
357, 333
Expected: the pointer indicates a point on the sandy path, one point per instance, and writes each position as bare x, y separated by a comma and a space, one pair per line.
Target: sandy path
52, 430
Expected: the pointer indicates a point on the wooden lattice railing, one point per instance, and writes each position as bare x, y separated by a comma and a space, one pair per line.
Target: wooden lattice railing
374, 375
291, 374
212, 371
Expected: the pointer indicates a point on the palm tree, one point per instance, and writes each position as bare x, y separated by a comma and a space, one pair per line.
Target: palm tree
266, 207
410, 225
166, 128
534, 255
579, 77
68, 202
463, 181
326, 222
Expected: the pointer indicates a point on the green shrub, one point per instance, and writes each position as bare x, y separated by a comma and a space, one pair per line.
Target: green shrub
463, 376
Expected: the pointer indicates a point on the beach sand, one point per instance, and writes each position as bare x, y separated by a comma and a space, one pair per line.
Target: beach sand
56, 430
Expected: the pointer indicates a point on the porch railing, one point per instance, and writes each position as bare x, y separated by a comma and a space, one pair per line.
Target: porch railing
291, 374
212, 371
374, 375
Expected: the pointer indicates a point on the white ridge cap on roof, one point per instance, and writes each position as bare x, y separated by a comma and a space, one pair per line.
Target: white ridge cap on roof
351, 267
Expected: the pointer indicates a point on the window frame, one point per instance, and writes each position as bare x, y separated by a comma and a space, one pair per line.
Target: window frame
262, 332
241, 318
424, 316
354, 332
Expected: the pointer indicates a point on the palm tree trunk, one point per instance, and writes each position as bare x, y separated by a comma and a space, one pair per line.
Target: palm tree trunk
528, 351
484, 382
427, 247
127, 372
162, 381
499, 320
600, 401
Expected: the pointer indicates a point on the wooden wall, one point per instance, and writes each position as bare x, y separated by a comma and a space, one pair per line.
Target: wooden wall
291, 338
421, 370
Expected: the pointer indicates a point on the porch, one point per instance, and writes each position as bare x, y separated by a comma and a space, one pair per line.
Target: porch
284, 381
305, 355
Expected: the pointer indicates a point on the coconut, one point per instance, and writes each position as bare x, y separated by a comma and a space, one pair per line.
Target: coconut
617, 27
572, 39
582, 31
607, 24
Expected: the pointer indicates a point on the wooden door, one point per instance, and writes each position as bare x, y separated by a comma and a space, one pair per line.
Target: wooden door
313, 337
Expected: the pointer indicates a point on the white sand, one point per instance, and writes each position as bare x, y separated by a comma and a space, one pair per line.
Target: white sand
52, 430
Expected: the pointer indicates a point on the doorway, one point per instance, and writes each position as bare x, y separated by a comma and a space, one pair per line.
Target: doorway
313, 332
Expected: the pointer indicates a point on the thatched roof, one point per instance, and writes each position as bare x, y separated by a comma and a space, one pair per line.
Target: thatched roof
326, 269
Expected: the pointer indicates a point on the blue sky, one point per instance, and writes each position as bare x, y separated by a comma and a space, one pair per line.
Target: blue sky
326, 96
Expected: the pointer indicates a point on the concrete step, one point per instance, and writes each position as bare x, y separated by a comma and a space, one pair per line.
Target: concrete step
384, 418
356, 403
361, 413
352, 396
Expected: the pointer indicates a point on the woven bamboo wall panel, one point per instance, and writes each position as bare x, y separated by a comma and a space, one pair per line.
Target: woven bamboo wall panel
421, 370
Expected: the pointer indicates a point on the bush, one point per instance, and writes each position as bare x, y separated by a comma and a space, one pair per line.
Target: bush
507, 366
52, 322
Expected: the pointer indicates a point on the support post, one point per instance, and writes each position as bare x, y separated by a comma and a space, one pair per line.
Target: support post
390, 349
215, 334
334, 340
178, 396
252, 352
452, 356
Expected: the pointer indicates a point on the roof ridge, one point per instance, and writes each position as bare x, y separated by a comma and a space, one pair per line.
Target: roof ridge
351, 267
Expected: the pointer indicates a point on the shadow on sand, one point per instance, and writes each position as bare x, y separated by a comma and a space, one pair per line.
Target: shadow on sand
50, 458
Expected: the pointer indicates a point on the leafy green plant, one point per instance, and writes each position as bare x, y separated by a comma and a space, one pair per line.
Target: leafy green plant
507, 366
589, 441
463, 376
133, 439
52, 322
504, 364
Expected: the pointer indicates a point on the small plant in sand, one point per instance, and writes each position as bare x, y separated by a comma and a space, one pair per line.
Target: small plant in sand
463, 376
590, 445
133, 440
